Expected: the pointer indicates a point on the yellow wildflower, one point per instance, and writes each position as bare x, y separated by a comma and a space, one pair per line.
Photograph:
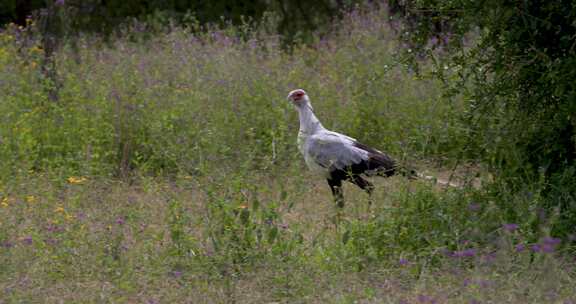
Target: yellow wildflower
59, 209
76, 179
35, 49
31, 198
4, 202
69, 217
242, 206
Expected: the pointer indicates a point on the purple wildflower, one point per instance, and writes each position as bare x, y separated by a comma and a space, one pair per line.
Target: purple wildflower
252, 44
51, 241
403, 262
7, 244
27, 240
551, 295
447, 252
489, 257
520, 247
445, 39
425, 299
484, 283
177, 273
551, 241
53, 228
120, 221
547, 248
470, 252
547, 245
59, 2
474, 206
510, 227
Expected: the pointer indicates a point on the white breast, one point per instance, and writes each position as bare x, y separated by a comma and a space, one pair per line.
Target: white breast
303, 146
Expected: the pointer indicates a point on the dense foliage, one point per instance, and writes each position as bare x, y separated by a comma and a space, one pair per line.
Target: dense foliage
297, 19
518, 72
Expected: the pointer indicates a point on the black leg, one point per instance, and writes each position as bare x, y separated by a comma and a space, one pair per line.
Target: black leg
336, 187
362, 183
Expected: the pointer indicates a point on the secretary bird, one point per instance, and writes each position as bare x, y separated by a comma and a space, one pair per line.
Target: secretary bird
336, 156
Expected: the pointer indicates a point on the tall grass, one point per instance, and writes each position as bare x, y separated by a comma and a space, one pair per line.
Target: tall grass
168, 172
183, 102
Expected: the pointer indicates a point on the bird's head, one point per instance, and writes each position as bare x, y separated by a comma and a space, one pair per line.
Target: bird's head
298, 97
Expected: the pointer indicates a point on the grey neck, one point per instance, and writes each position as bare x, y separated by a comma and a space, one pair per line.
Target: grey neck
309, 123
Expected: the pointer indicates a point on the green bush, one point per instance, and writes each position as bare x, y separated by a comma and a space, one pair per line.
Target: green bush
515, 64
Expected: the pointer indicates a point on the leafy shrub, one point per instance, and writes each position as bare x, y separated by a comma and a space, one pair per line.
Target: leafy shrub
517, 72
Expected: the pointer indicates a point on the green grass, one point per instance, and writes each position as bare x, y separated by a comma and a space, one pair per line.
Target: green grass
247, 242
168, 172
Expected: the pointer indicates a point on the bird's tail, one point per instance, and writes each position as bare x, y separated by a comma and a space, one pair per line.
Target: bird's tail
412, 174
385, 166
